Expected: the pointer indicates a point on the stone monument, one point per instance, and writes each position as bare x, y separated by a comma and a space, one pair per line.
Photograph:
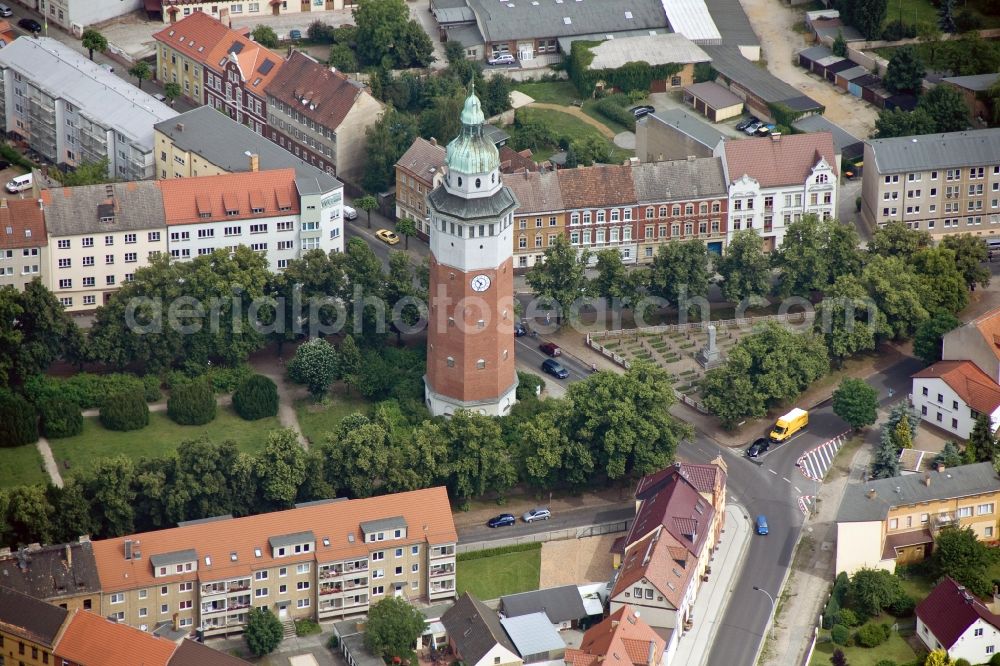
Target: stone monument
709, 356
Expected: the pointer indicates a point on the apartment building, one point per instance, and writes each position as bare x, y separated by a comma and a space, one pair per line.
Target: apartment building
64, 575
73, 15
29, 629
939, 183
70, 110
885, 522
773, 181
680, 200
539, 219
320, 115
262, 210
601, 206
98, 236
24, 246
618, 641
311, 10
320, 560
181, 51
421, 169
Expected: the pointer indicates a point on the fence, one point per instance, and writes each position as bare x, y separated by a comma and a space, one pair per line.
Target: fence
553, 535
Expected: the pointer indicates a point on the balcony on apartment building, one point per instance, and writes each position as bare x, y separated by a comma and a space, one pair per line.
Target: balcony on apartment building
442, 551
340, 587
442, 570
328, 571
225, 587
439, 587
355, 603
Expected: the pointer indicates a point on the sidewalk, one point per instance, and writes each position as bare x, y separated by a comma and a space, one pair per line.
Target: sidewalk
694, 646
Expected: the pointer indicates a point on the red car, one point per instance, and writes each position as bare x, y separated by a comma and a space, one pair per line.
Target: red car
550, 348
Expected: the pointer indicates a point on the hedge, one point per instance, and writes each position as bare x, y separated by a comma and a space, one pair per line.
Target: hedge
840, 634
613, 109
221, 378
502, 550
630, 76
125, 411
256, 398
872, 635
18, 421
60, 418
191, 403
89, 390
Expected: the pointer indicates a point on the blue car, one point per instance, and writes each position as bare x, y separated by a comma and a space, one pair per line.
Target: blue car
552, 367
761, 524
502, 520
295, 34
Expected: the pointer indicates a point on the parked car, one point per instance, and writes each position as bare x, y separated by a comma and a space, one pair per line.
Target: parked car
642, 110
4, 164
294, 34
501, 59
108, 67
386, 236
31, 25
759, 446
536, 514
502, 520
746, 122
5, 11
159, 97
554, 368
752, 127
350, 213
760, 525
550, 348
520, 330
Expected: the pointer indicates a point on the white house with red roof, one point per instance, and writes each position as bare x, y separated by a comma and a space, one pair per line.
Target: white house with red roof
951, 393
773, 181
621, 639
954, 619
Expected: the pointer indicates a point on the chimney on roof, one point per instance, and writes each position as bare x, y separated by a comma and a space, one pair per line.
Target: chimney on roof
941, 467
652, 653
433, 141
180, 127
41, 204
176, 621
69, 557
927, 479
254, 162
776, 136
871, 493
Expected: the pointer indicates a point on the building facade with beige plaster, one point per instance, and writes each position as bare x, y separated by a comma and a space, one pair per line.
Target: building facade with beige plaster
421, 169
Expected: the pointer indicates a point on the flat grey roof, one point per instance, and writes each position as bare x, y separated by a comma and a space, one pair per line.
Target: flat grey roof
732, 23
846, 143
714, 95
382, 524
225, 142
566, 43
524, 19
532, 634
466, 35
176, 557
454, 15
100, 95
291, 539
936, 151
355, 644
210, 519
977, 82
728, 61
815, 53
954, 482
688, 124
560, 604
855, 72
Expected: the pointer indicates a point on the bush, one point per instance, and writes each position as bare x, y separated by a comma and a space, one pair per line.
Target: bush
306, 627
847, 617
528, 385
61, 418
885, 662
87, 389
613, 109
902, 606
831, 612
125, 411
995, 660
896, 30
966, 21
18, 421
501, 550
840, 634
151, 388
961, 662
334, 642
222, 379
192, 403
256, 398
871, 635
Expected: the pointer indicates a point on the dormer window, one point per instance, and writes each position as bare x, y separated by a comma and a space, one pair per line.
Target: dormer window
232, 213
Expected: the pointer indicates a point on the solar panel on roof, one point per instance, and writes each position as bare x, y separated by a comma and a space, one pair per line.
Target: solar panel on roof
266, 66
236, 48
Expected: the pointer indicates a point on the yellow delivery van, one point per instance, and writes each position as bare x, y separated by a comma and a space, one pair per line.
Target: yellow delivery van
789, 424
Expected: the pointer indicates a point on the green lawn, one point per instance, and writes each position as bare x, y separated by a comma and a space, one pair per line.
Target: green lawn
160, 438
550, 92
565, 125
496, 576
613, 125
896, 649
924, 11
316, 419
21, 465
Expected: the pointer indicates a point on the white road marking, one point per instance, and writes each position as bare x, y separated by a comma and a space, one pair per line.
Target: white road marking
785, 479
773, 472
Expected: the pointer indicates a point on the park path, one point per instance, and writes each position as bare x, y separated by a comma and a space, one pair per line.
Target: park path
577, 113
51, 468
273, 368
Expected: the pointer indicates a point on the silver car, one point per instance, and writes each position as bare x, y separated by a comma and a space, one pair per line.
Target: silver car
536, 514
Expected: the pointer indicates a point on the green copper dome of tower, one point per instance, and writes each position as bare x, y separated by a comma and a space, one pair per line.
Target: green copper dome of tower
471, 152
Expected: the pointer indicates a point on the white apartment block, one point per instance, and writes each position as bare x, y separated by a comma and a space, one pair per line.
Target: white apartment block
311, 10
76, 15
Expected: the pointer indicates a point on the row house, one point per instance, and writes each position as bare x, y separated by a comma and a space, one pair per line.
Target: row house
172, 11
24, 246
773, 181
680, 200
64, 575
421, 169
181, 53
539, 219
321, 116
600, 204
939, 183
321, 560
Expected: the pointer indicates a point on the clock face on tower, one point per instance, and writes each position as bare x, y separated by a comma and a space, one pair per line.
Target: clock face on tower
481, 283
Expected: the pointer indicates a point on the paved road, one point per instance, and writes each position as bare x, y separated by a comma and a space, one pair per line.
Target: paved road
582, 517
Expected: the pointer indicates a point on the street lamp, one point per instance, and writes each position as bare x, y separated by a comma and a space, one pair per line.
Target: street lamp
771, 616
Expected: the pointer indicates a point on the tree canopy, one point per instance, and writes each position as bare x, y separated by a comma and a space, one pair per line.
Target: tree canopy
393, 628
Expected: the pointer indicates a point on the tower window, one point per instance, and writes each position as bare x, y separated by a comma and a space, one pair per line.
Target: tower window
460, 181
481, 323
493, 177
505, 354
451, 361
478, 183
481, 364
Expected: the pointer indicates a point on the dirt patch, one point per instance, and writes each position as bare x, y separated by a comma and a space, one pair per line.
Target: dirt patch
577, 561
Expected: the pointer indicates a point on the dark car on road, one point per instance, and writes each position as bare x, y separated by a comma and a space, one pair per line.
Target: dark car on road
642, 110
31, 25
550, 348
758, 447
519, 330
502, 520
760, 525
552, 367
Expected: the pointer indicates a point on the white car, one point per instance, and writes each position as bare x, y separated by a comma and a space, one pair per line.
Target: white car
501, 59
350, 213
536, 514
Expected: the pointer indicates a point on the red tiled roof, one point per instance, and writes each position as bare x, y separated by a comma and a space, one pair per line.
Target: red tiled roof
677, 506
329, 96
22, 224
784, 160
971, 384
208, 198
423, 159
195, 36
601, 186
622, 639
949, 610
660, 560
512, 161
91, 640
989, 327
253, 60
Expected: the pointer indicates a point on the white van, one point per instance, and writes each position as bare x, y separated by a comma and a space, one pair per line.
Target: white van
350, 213
19, 183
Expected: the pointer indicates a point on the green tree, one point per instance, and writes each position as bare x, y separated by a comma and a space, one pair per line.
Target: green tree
454, 51
848, 319
885, 458
553, 458
358, 456
387, 36
442, 119
895, 239
929, 335
496, 97
123, 412
342, 58
902, 438
898, 292
192, 403
944, 286
92, 40
141, 71
982, 441
171, 90
703, 71
945, 105
480, 460
393, 628
256, 398
906, 71
840, 45
899, 122
366, 277
204, 483
856, 402
42, 326
572, 161
315, 365
960, 554
872, 590
868, 17
418, 458
60, 418
402, 294
28, 516
802, 262
612, 281
744, 267
946, 15
350, 360
561, 276
263, 632
680, 268
72, 516
838, 658
281, 469
265, 36
385, 142
110, 486
87, 173
406, 227
949, 456
970, 253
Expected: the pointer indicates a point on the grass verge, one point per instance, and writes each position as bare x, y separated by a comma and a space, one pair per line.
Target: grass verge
498, 575
897, 649
21, 465
571, 127
549, 92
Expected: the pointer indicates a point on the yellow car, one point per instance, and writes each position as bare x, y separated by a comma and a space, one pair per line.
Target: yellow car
387, 236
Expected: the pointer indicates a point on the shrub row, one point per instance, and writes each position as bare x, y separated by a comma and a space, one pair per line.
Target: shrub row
191, 403
221, 379
124, 412
502, 550
615, 108
18, 421
88, 390
60, 418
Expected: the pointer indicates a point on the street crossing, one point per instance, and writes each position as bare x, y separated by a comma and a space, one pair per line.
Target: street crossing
805, 503
815, 463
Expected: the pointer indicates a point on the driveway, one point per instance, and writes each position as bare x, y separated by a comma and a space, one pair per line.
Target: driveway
775, 25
